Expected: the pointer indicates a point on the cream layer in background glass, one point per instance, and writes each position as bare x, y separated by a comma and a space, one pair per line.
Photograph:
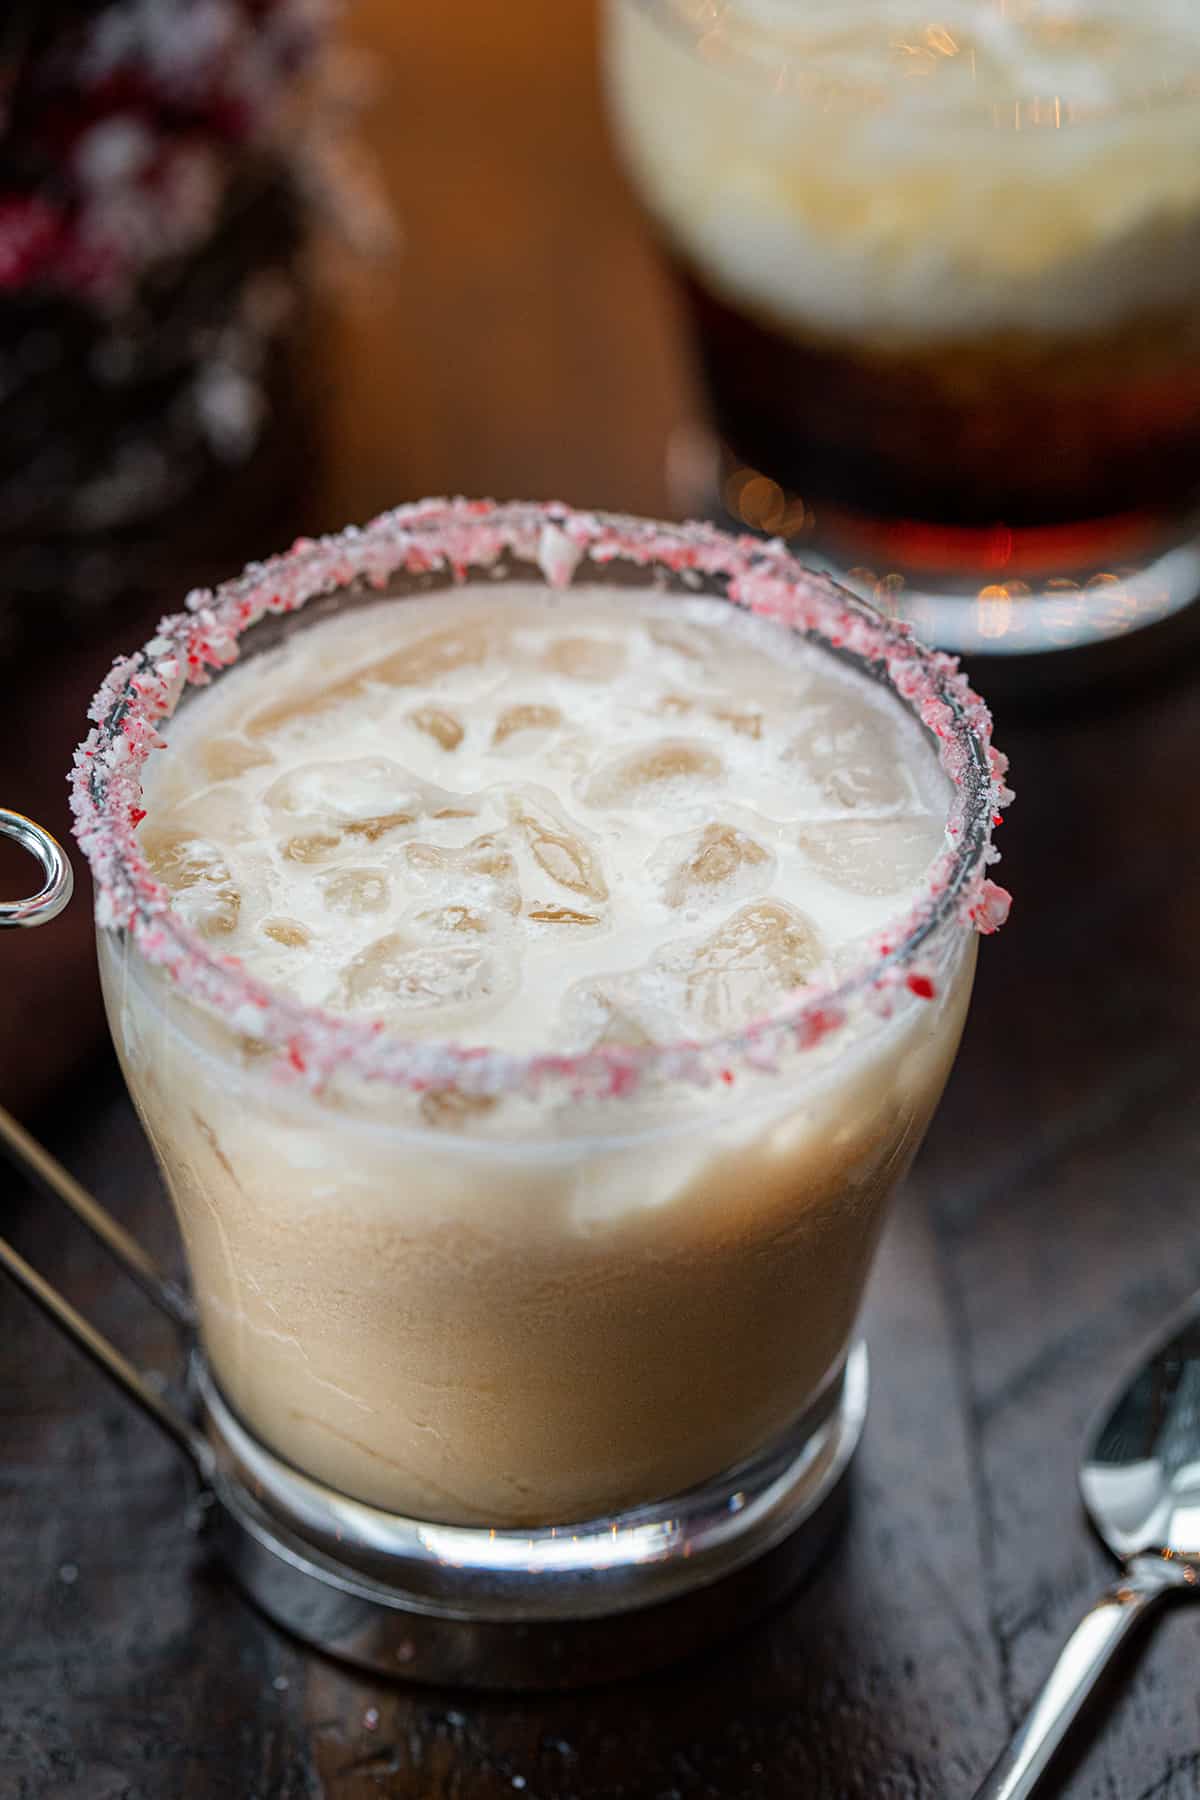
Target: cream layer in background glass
539, 823
903, 173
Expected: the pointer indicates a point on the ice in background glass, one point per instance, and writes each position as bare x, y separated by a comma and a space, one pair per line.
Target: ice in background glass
943, 272
640, 809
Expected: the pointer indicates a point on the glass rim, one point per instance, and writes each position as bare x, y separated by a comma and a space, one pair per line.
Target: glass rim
745, 42
460, 538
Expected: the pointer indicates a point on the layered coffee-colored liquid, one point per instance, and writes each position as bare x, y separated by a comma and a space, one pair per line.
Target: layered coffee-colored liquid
542, 824
1077, 445
942, 275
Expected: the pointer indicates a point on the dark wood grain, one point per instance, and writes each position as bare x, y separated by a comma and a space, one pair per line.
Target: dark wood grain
523, 343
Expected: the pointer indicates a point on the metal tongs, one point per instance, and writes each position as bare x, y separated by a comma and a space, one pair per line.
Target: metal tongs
36, 1163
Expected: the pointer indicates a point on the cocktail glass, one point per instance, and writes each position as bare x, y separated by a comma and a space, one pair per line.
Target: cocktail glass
498, 1349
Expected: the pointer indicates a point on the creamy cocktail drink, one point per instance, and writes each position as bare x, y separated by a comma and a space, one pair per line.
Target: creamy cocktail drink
942, 269
633, 850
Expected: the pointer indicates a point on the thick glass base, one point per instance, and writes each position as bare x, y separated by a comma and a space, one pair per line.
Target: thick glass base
1051, 607
552, 1607
1050, 639
998, 613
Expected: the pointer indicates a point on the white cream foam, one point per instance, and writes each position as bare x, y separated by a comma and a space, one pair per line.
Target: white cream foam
1012, 165
543, 823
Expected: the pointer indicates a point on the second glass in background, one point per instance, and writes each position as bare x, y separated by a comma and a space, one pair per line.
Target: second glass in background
944, 283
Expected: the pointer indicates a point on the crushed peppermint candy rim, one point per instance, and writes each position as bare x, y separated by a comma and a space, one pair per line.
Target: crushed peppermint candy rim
459, 538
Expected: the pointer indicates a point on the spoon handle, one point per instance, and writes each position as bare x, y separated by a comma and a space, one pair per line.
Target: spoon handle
1080, 1663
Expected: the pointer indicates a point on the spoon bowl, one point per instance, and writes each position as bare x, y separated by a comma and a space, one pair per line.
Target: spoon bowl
1140, 1481
1141, 1478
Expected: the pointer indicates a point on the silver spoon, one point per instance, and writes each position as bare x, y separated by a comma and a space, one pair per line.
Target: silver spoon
1141, 1486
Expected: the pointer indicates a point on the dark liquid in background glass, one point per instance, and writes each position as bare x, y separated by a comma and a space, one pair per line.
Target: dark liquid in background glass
1053, 444
1009, 486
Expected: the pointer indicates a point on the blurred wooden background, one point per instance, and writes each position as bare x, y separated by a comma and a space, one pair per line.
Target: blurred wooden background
520, 343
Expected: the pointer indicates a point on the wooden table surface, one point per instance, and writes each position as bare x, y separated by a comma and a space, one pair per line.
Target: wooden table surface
523, 343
